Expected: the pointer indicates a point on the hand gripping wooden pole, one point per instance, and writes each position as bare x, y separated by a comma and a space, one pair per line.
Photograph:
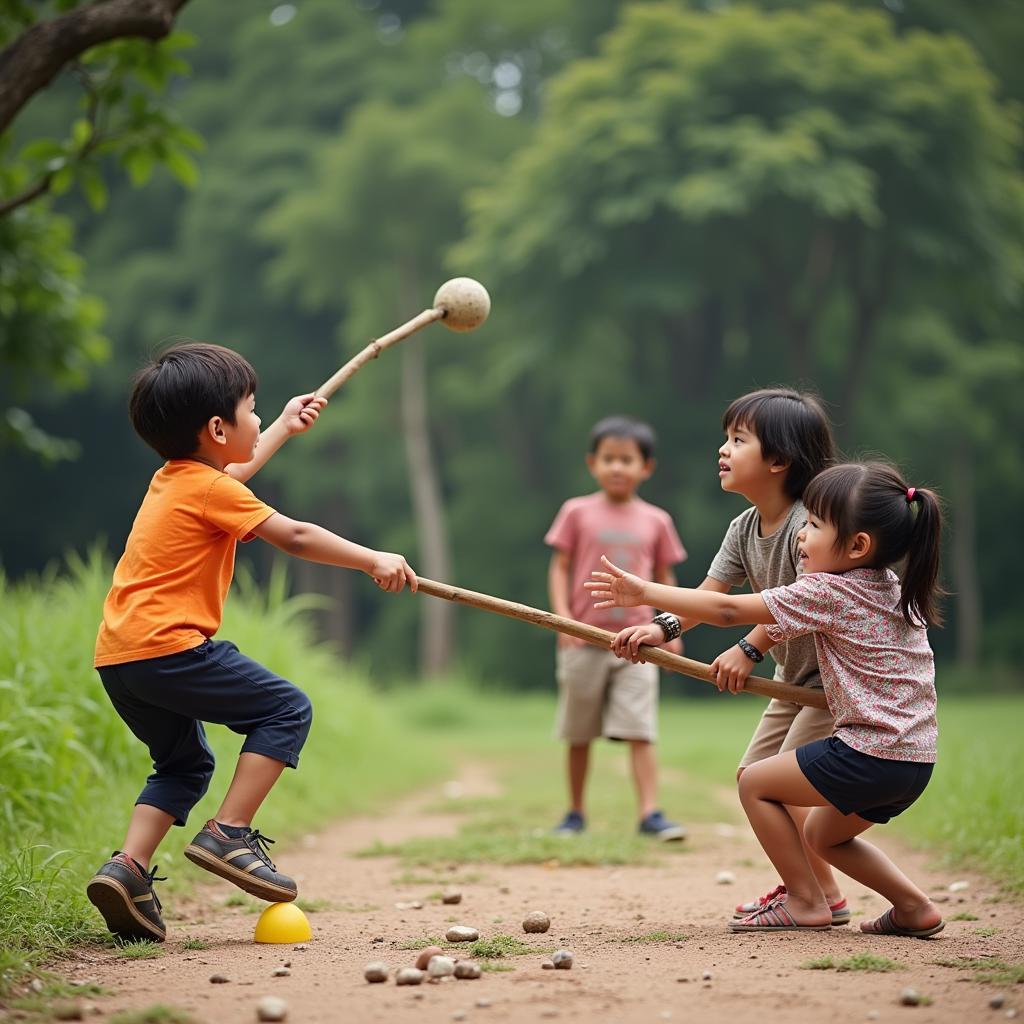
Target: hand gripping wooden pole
602, 638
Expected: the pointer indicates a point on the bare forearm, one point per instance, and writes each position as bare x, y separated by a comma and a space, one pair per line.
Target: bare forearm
708, 606
315, 544
760, 639
558, 590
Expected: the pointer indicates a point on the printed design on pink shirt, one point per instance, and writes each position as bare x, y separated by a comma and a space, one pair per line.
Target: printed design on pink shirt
878, 671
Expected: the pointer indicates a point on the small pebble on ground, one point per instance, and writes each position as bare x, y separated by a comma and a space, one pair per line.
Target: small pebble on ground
536, 921
462, 933
271, 1008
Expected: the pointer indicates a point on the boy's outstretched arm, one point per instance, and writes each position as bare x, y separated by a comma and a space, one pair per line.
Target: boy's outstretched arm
614, 587
390, 572
298, 415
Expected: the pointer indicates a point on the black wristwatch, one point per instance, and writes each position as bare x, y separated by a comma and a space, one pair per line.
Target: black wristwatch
670, 625
750, 650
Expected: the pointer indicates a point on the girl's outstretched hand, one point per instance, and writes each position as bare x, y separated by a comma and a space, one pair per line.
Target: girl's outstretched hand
615, 588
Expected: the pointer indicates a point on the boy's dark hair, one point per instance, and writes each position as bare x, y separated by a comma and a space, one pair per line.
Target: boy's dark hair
177, 394
792, 427
904, 522
624, 426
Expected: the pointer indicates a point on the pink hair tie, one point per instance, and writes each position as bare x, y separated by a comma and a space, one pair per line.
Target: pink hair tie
911, 491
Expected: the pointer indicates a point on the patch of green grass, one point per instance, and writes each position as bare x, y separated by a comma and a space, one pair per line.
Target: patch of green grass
971, 812
143, 949
158, 1013
313, 906
494, 967
53, 993
655, 937
192, 943
988, 970
964, 915
358, 908
863, 961
986, 933
236, 899
499, 946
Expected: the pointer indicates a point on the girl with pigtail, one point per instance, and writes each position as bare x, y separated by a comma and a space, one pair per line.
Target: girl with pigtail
878, 673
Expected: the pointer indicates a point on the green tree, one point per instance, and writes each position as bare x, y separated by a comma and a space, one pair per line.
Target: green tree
49, 326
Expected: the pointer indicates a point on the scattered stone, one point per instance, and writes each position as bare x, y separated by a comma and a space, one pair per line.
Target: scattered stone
462, 933
377, 938
910, 997
218, 979
301, 947
459, 1015
376, 971
940, 897
1010, 1013
281, 972
68, 1011
36, 984
873, 1015
547, 965
451, 896
996, 1003
536, 921
467, 970
441, 966
425, 954
271, 1008
483, 1002
562, 959
410, 905
287, 963
959, 886
725, 878
706, 976
683, 981
504, 890
409, 976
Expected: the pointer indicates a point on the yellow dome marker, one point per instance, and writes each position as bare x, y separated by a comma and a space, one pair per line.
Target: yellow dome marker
282, 922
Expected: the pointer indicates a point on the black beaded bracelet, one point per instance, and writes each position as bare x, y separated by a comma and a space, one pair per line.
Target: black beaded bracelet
670, 625
750, 650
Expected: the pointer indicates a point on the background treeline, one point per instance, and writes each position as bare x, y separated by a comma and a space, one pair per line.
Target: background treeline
671, 203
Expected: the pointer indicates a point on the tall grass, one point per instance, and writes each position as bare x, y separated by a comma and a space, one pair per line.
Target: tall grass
70, 770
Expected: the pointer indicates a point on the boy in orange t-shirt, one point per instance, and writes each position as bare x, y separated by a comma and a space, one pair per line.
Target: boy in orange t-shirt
155, 653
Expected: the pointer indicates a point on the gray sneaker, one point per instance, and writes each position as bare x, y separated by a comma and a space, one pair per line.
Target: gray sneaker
123, 894
243, 861
657, 825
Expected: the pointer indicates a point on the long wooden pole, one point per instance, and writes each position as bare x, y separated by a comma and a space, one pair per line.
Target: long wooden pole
378, 345
602, 638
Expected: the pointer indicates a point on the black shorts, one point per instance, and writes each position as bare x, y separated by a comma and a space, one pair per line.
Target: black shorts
874, 788
165, 700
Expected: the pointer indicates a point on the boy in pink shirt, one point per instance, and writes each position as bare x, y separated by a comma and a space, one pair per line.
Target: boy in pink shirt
599, 694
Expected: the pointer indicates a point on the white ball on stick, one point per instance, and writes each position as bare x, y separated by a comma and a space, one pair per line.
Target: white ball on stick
465, 302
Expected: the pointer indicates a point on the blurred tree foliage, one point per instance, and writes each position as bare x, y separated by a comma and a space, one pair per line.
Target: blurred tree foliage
670, 203
113, 62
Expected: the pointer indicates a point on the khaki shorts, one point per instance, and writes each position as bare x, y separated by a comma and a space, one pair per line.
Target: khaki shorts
786, 726
601, 695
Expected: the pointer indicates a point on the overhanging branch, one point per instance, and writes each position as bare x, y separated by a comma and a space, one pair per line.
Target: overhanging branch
32, 61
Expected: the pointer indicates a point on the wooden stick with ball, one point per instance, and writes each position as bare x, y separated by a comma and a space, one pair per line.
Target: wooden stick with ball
461, 304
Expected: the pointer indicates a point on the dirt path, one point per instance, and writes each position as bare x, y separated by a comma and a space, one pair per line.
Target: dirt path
609, 917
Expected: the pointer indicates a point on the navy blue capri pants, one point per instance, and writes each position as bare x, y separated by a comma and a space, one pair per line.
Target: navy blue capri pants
164, 701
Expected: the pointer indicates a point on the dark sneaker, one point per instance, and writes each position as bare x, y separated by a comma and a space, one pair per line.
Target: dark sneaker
243, 861
571, 825
657, 825
123, 893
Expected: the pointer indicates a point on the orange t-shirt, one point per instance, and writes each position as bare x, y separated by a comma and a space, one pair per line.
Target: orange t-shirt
170, 584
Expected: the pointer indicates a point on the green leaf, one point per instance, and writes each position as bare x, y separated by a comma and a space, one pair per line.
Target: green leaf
182, 166
61, 181
41, 150
139, 165
81, 133
93, 186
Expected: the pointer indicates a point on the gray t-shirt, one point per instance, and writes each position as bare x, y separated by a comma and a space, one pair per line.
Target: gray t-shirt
768, 562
